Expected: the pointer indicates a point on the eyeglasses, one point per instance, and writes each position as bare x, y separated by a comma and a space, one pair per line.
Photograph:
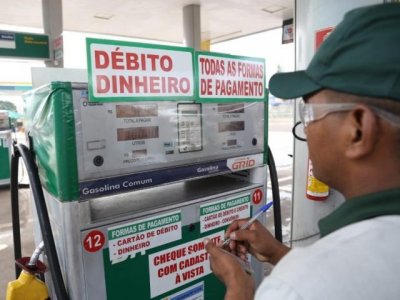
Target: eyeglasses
310, 112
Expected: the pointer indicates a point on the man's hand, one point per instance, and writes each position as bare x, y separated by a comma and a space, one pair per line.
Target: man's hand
239, 284
256, 240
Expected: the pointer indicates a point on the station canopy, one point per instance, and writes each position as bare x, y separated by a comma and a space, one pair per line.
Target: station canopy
160, 20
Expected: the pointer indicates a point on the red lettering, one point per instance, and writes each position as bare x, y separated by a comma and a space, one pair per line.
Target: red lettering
216, 239
212, 66
117, 60
142, 84
230, 219
191, 261
153, 58
196, 247
143, 62
133, 248
177, 279
204, 87
184, 85
164, 271
139, 84
102, 84
101, 60
202, 59
114, 84
193, 273
243, 164
172, 85
163, 84
132, 61
169, 256
126, 84
154, 84
166, 63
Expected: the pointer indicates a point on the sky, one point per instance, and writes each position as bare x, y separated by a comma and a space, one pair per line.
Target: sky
265, 45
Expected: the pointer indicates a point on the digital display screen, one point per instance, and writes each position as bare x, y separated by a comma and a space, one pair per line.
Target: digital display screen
132, 111
227, 108
139, 153
189, 112
231, 126
137, 133
189, 130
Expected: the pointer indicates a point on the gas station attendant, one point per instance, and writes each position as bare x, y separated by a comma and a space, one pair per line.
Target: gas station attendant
350, 110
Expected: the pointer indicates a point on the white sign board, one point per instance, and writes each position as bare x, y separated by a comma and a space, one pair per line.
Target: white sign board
136, 237
127, 71
180, 265
226, 77
222, 213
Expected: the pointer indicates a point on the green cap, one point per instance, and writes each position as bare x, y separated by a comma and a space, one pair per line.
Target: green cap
361, 56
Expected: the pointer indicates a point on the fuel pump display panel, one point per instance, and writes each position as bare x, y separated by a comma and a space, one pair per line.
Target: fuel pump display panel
129, 185
123, 138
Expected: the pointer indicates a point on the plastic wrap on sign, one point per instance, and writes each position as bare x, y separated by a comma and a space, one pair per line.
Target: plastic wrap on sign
51, 125
90, 149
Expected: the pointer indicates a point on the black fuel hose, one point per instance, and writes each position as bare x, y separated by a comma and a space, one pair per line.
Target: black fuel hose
43, 216
15, 211
275, 195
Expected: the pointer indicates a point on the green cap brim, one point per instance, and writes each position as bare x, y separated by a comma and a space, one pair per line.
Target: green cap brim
292, 85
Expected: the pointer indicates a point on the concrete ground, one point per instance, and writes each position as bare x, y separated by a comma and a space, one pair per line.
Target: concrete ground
7, 272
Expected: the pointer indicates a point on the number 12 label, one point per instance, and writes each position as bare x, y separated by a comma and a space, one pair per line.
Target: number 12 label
94, 241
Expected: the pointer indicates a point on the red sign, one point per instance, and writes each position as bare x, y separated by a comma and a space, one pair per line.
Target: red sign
321, 35
94, 241
257, 196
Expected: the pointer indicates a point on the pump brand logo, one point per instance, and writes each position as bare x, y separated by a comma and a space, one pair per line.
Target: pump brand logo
246, 162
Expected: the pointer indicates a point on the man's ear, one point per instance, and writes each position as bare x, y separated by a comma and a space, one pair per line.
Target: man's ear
362, 132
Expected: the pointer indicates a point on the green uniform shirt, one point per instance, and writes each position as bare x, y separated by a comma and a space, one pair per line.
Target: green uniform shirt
361, 208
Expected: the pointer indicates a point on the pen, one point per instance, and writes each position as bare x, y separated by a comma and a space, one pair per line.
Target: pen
262, 210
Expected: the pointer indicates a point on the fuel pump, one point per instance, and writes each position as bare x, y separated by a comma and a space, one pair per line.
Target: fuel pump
5, 147
116, 216
133, 188
119, 232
